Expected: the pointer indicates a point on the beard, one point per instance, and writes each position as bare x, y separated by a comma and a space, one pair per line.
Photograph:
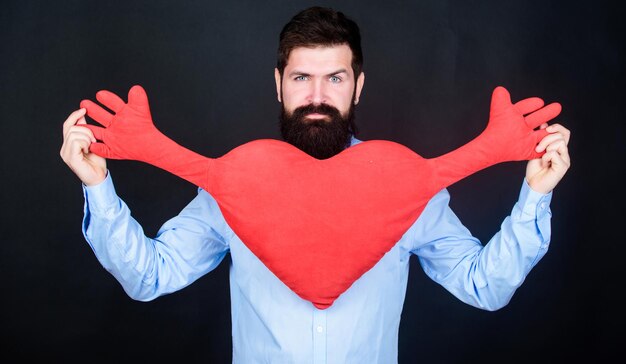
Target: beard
320, 138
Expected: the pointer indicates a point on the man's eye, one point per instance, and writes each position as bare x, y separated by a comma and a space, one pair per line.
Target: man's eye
335, 79
300, 78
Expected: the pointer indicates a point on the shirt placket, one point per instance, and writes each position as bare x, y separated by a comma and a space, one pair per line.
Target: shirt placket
319, 336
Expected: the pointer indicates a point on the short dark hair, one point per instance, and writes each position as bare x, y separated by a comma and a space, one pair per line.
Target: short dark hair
319, 26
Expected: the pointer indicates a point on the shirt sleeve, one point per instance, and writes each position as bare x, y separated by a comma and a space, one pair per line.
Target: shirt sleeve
483, 276
185, 248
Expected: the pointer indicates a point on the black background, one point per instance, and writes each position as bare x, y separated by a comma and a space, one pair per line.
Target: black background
208, 69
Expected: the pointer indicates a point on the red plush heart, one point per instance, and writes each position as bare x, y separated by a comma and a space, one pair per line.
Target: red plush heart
319, 225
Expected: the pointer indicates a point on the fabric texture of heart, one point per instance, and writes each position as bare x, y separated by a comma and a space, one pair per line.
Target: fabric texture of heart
307, 219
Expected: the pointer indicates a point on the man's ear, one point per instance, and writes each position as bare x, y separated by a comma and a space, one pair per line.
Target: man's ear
359, 86
277, 78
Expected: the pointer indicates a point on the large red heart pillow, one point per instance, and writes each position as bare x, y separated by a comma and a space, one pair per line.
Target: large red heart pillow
319, 225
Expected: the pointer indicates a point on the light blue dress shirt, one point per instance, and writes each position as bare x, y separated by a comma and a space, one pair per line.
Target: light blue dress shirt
270, 323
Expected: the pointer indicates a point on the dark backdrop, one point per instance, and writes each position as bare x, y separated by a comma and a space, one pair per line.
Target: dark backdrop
208, 69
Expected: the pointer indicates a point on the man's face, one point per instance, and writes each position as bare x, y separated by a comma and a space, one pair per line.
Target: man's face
318, 92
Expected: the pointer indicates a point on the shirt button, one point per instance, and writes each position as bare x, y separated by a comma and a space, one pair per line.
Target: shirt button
542, 205
320, 329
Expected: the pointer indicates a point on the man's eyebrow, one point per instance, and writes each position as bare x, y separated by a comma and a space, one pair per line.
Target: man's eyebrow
341, 70
300, 73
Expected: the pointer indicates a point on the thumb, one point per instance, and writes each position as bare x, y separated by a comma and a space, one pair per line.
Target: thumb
500, 99
138, 98
537, 136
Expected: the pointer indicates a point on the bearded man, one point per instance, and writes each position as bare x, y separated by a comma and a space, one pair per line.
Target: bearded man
319, 80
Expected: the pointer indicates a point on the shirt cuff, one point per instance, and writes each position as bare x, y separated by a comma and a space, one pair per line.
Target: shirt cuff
533, 204
101, 197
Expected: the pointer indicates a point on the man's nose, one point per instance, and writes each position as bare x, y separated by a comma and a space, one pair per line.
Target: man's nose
317, 92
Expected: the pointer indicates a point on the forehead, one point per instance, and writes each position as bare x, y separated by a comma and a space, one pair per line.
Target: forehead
320, 59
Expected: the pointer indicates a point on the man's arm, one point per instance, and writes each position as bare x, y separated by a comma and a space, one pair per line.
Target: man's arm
483, 276
488, 276
185, 248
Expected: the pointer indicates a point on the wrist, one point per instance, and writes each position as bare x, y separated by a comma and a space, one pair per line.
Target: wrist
538, 187
91, 182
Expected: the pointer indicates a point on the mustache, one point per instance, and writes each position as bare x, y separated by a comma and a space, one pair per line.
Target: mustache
300, 112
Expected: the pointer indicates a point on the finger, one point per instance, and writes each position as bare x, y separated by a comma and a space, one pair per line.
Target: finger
539, 135
83, 130
78, 126
564, 154
73, 118
558, 128
561, 148
97, 131
69, 127
543, 115
529, 105
138, 98
546, 159
74, 143
97, 113
73, 135
110, 100
79, 147
500, 99
555, 161
547, 140
100, 149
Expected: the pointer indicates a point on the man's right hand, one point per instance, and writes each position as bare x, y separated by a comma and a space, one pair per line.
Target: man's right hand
89, 167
